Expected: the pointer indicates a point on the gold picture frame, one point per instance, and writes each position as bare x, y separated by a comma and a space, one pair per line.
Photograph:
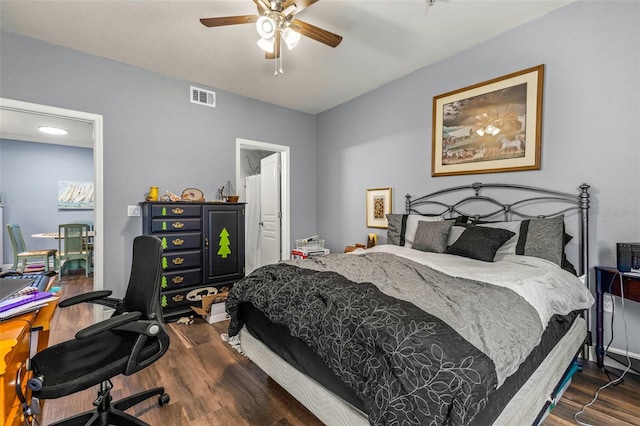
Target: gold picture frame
379, 205
493, 126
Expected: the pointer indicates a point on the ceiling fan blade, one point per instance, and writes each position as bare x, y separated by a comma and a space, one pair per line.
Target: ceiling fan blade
318, 34
229, 20
300, 4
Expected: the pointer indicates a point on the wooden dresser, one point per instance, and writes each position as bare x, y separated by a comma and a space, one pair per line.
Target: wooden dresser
203, 250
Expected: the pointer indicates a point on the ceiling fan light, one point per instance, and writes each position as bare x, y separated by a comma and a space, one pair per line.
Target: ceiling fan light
266, 27
291, 38
266, 44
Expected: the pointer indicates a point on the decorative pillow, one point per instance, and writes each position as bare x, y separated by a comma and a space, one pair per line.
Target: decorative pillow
402, 227
481, 243
543, 238
510, 246
432, 236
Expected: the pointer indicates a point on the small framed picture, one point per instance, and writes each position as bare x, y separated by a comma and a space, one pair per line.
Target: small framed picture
378, 206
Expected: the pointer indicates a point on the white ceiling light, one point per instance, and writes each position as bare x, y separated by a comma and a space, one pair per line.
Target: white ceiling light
266, 27
266, 44
290, 37
52, 130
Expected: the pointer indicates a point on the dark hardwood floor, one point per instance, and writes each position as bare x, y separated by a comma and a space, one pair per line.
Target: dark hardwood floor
211, 384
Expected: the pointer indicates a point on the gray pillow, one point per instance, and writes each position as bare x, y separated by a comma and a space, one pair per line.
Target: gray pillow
481, 243
543, 238
432, 236
401, 229
395, 231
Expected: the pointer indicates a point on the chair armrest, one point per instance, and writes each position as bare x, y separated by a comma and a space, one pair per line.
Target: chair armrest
99, 297
147, 327
108, 324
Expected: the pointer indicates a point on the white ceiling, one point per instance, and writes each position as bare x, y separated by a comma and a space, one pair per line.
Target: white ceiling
383, 41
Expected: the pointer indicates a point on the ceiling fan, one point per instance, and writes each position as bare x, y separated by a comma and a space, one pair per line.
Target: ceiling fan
276, 24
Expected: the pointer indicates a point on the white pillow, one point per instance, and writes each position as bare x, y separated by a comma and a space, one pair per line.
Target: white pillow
454, 234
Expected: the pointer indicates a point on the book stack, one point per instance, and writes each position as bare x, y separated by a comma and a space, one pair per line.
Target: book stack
309, 247
26, 300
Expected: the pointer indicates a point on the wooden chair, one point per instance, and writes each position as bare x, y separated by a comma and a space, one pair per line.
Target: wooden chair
73, 244
22, 255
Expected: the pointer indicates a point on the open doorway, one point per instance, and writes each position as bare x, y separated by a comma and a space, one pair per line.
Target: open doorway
248, 156
97, 125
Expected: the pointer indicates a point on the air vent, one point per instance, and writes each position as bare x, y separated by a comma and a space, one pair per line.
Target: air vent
203, 97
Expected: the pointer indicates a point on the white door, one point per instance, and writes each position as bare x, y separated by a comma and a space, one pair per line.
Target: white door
270, 208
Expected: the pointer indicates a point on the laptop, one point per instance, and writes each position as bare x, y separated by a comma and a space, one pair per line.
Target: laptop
9, 287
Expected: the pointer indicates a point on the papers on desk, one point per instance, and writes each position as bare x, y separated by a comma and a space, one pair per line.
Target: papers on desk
25, 303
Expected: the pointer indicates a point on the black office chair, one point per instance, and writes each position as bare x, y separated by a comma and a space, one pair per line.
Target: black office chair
131, 339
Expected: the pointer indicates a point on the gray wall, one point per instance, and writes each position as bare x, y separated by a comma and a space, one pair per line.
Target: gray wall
153, 135
29, 175
591, 116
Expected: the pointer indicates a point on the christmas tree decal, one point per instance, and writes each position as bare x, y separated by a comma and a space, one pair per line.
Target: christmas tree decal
224, 244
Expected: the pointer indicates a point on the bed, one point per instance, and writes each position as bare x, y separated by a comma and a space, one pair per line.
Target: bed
471, 314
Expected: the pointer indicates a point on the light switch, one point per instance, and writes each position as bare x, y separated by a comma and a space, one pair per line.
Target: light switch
133, 210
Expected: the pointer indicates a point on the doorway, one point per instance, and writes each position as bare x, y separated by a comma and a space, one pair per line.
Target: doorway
96, 121
250, 149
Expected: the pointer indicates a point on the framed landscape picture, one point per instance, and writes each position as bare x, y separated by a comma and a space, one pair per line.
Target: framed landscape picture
378, 206
494, 126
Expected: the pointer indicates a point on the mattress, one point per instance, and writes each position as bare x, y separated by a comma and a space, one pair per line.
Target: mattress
334, 403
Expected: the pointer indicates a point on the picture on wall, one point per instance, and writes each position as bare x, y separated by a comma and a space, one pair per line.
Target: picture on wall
75, 195
494, 126
378, 206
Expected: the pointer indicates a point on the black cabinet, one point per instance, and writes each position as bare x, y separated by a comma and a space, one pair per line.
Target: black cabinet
203, 250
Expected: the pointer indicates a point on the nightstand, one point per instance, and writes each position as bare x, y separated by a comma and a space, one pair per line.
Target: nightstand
608, 280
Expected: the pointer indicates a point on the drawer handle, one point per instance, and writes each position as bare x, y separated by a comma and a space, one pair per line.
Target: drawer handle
177, 225
177, 298
177, 210
178, 242
177, 280
177, 261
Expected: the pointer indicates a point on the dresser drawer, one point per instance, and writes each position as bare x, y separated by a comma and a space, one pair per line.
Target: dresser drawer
182, 278
191, 296
174, 210
181, 241
175, 225
181, 260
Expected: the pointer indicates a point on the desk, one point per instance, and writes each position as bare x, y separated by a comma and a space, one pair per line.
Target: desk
15, 339
608, 281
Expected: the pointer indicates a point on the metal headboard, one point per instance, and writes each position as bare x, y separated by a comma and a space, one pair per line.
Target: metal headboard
520, 198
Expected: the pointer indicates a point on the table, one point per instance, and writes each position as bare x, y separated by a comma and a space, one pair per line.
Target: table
57, 235
349, 249
15, 339
608, 281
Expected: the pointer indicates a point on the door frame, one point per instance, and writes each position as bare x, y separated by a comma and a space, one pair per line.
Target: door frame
98, 155
285, 185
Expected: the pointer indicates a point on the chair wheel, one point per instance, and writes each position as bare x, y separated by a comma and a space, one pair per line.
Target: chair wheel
163, 399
